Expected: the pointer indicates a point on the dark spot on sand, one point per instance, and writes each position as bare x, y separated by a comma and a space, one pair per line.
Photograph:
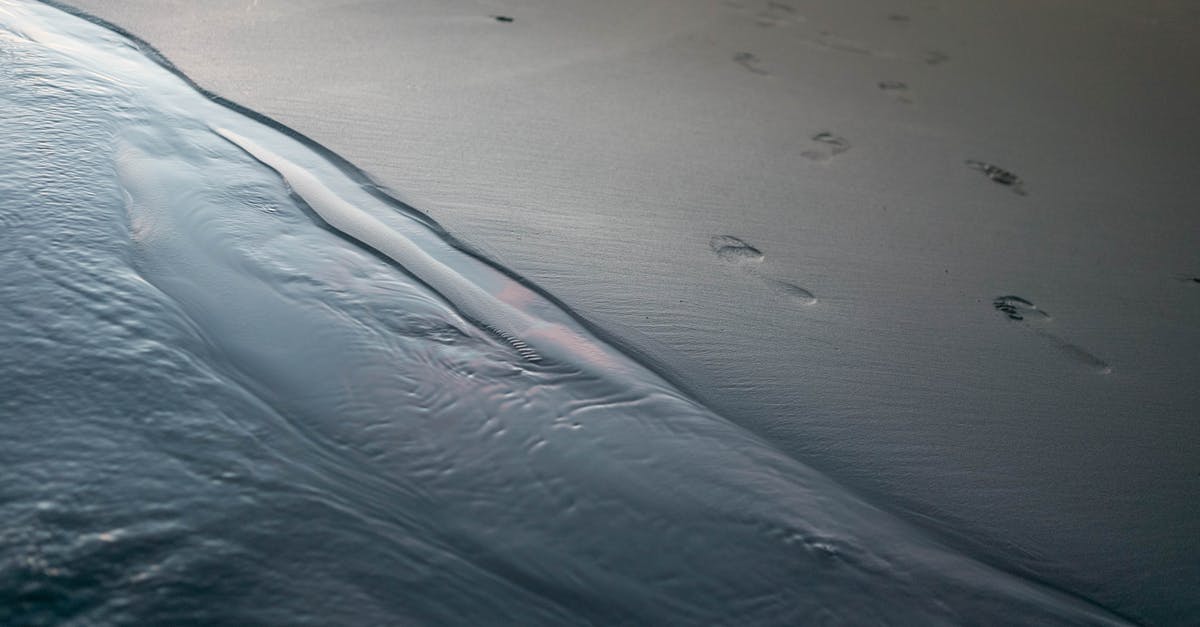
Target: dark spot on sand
897, 17
791, 290
935, 57
503, 18
897, 89
838, 143
832, 145
749, 61
998, 175
1031, 317
736, 251
777, 14
730, 248
1016, 306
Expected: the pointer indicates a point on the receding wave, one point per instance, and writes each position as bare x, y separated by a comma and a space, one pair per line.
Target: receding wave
239, 387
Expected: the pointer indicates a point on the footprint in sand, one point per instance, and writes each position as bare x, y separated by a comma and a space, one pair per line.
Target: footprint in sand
1017, 308
791, 290
897, 90
829, 146
733, 250
1194, 280
999, 175
777, 14
1027, 314
936, 57
750, 61
767, 15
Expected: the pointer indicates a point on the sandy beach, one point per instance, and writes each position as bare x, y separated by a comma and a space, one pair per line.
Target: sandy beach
946, 254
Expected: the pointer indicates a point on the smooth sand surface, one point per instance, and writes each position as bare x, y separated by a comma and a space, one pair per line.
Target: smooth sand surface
806, 212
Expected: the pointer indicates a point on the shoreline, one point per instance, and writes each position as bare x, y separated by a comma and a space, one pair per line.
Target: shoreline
792, 394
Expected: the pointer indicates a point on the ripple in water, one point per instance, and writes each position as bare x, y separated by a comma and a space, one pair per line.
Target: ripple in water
240, 386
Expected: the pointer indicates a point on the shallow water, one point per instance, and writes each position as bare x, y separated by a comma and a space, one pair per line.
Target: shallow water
240, 386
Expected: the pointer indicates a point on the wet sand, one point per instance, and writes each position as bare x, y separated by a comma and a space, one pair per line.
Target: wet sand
946, 255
